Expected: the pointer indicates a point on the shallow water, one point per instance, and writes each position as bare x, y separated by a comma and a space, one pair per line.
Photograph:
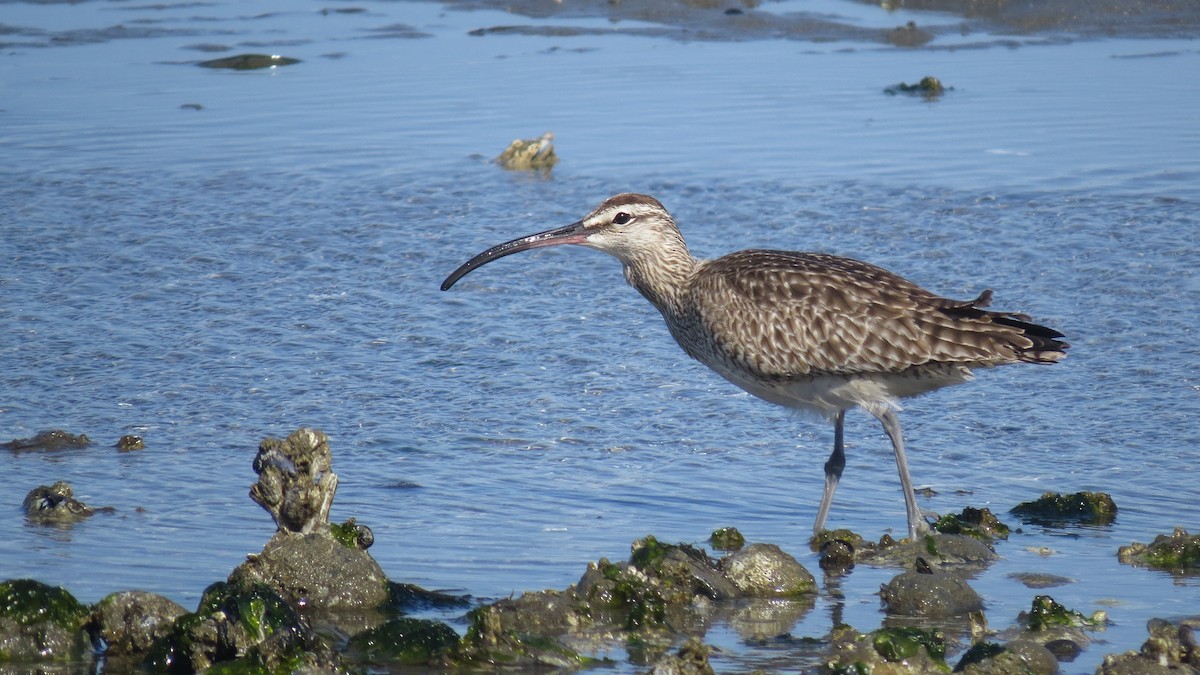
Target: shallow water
208, 277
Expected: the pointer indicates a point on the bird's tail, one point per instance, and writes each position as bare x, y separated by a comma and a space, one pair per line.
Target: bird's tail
1041, 344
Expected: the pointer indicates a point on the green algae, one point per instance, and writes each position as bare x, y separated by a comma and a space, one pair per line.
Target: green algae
352, 535
899, 644
1046, 614
978, 653
28, 602
231, 623
404, 640
648, 553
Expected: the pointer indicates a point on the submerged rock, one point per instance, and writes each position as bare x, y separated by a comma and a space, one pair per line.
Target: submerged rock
909, 35
1053, 509
40, 623
249, 62
55, 439
691, 659
128, 623
529, 154
1178, 552
54, 503
1040, 579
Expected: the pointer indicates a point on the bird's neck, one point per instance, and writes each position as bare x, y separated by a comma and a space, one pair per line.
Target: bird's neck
663, 277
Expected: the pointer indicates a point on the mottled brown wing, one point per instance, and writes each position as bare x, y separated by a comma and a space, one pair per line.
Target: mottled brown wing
784, 314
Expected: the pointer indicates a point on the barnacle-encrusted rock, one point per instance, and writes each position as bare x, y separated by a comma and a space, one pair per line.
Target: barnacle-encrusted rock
316, 571
529, 154
1172, 648
128, 623
296, 482
764, 571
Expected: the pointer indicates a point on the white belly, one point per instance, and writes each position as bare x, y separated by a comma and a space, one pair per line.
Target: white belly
826, 395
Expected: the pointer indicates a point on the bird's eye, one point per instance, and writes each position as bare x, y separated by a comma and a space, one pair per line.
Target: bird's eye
622, 218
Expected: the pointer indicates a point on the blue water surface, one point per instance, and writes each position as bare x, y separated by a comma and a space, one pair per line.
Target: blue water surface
205, 258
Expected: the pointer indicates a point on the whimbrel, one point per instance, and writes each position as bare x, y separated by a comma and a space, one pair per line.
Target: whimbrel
809, 331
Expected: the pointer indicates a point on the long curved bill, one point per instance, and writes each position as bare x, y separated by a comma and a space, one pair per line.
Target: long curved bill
571, 234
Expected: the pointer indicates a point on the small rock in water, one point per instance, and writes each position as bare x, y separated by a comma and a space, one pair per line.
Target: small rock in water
930, 88
1046, 614
931, 594
1177, 552
1040, 579
727, 539
978, 523
130, 443
1053, 509
837, 555
55, 439
765, 571
54, 503
249, 62
530, 154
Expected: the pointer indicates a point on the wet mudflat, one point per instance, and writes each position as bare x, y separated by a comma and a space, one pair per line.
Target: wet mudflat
206, 257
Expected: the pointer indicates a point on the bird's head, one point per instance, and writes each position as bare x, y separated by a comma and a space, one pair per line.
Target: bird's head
626, 226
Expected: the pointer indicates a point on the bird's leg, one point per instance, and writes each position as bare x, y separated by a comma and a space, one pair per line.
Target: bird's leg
833, 472
891, 424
